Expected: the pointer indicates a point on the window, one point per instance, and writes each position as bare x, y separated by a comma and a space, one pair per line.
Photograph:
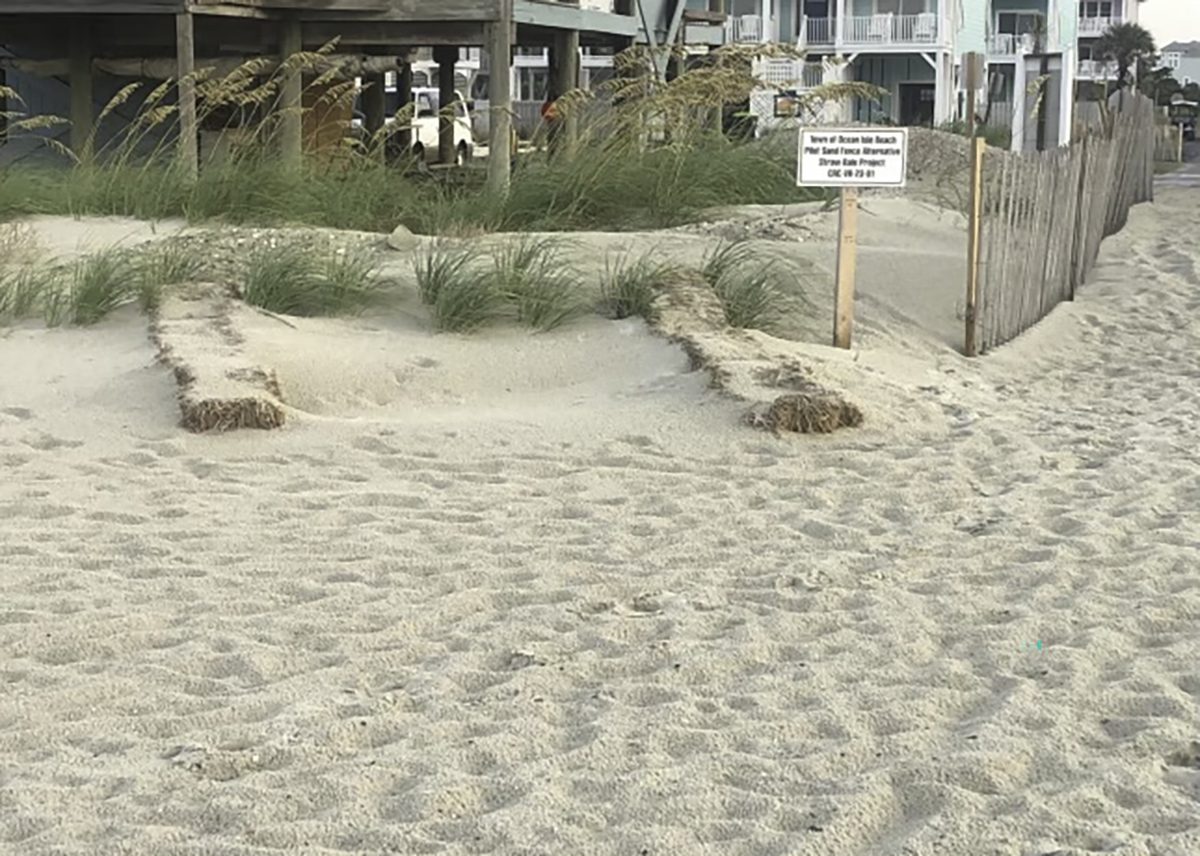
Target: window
531, 84
1019, 23
1172, 60
1096, 9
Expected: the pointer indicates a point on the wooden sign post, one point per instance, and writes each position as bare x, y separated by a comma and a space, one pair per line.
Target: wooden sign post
849, 159
847, 259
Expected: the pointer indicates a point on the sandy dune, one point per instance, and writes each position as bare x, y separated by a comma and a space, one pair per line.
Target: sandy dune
547, 597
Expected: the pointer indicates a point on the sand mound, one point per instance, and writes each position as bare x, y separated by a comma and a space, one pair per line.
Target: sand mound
219, 388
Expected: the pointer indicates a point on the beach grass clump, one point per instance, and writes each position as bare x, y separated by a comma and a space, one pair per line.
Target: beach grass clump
299, 277
90, 289
631, 286
160, 267
746, 285
24, 289
531, 277
453, 282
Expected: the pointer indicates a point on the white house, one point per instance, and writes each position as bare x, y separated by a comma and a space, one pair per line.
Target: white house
1031, 56
913, 50
1096, 16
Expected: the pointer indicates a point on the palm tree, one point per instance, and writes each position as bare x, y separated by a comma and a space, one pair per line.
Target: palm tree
1129, 46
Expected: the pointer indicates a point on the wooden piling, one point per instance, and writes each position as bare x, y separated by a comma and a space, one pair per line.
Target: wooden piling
500, 43
291, 136
80, 79
189, 131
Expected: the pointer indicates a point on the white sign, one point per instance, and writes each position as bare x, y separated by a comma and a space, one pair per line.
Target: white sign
852, 157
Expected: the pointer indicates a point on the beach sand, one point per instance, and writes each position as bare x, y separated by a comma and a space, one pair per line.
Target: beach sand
523, 594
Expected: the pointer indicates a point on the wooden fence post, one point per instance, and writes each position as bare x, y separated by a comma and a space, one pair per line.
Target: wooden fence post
1083, 219
974, 246
843, 299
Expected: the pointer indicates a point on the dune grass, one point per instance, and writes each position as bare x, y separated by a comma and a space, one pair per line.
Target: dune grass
298, 277
531, 278
23, 290
526, 281
98, 283
161, 266
748, 287
631, 286
643, 159
453, 283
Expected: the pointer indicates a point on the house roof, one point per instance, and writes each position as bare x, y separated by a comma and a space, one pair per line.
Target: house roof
1185, 48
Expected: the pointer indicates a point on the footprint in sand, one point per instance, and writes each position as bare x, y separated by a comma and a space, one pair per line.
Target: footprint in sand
21, 414
48, 443
1188, 757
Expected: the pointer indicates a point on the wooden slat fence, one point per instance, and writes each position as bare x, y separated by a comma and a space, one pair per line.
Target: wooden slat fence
1168, 143
1044, 214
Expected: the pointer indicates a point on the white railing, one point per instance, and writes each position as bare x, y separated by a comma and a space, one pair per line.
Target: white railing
1007, 44
1096, 26
782, 73
1094, 69
744, 28
888, 29
817, 31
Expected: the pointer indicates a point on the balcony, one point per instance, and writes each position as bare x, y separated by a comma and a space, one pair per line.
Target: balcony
872, 31
817, 31
1092, 27
787, 73
1010, 45
743, 29
1093, 69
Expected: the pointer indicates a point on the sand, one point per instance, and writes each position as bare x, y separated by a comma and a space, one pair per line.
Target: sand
524, 594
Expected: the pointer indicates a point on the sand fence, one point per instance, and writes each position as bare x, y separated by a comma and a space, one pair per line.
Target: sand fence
1037, 220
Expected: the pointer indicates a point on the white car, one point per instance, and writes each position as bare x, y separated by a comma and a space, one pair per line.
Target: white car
426, 126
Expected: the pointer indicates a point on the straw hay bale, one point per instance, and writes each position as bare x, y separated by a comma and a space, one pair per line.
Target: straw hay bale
749, 365
219, 389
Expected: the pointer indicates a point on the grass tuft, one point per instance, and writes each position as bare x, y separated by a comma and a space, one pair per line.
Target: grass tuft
531, 276
727, 258
99, 283
631, 286
298, 278
23, 290
750, 299
458, 292
747, 286
160, 266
